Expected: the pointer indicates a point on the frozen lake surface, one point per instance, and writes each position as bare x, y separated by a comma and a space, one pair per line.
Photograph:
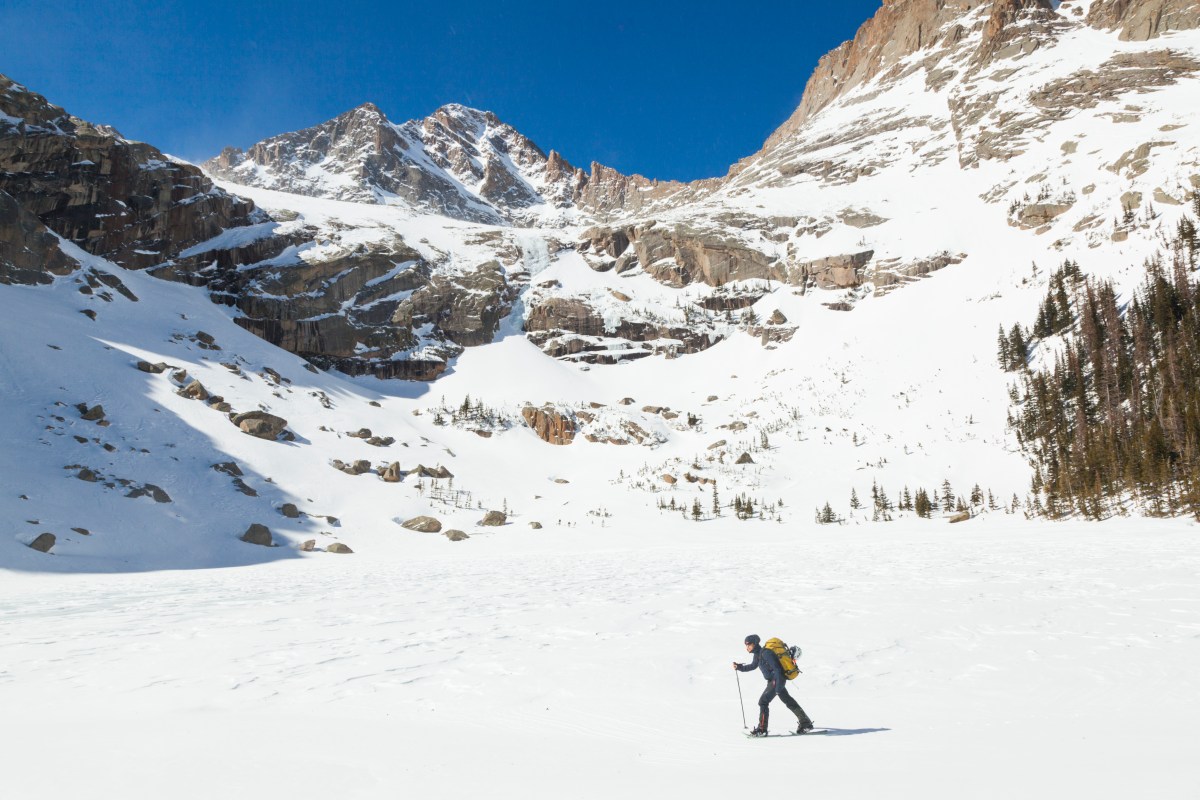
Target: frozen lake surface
1022, 660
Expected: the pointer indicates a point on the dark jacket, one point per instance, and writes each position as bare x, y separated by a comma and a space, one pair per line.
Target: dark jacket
768, 662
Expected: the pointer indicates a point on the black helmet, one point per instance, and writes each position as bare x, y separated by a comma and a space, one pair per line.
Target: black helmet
753, 639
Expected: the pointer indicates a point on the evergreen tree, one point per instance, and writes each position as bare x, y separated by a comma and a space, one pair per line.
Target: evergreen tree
922, 504
1117, 414
1018, 349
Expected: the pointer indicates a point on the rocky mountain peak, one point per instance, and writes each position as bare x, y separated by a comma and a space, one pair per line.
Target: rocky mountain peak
22, 109
459, 162
465, 118
367, 109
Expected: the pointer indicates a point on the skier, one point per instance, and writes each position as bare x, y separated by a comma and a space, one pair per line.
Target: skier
768, 662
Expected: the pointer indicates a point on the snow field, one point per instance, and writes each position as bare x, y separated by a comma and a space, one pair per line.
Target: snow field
1045, 661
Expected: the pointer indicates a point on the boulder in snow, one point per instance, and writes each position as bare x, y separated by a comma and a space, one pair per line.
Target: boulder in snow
422, 525
258, 534
260, 424
43, 542
494, 519
93, 414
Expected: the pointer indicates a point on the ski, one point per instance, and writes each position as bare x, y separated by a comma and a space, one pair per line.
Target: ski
817, 732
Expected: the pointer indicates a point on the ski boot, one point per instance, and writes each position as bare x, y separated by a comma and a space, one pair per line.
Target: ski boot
805, 726
758, 732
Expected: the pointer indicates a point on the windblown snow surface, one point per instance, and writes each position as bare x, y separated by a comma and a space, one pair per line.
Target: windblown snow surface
1044, 661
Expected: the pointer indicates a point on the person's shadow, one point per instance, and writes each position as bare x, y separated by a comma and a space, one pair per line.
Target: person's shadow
851, 731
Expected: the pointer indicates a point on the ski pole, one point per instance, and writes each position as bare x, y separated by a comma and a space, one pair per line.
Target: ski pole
741, 703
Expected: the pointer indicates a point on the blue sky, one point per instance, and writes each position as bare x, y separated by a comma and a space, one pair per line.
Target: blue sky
666, 89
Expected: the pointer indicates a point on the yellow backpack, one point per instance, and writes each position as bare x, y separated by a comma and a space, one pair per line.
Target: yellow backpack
788, 656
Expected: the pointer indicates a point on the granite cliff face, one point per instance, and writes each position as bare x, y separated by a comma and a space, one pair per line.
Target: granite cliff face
122, 200
884, 45
1148, 19
29, 252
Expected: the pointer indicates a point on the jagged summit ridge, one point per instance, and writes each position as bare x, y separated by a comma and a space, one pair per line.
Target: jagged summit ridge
458, 162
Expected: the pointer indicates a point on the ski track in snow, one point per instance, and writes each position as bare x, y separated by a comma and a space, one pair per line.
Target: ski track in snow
1054, 662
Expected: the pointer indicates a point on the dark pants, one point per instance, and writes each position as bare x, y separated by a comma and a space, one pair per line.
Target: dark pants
764, 704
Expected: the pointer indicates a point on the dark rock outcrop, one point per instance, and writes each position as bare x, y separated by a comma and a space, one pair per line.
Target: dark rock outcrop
838, 272
43, 543
123, 200
258, 534
1141, 20
550, 424
29, 252
91, 414
571, 327
678, 256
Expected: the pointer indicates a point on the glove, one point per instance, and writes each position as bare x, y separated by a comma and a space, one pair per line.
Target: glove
736, 665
